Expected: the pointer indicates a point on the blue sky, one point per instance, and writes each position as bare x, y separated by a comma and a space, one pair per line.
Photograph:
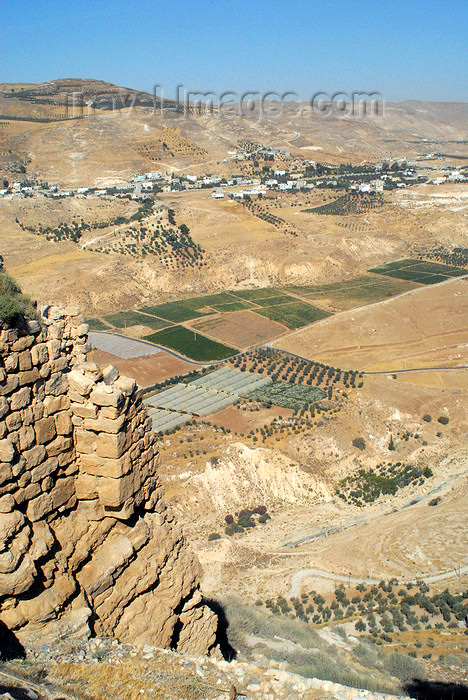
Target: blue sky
404, 49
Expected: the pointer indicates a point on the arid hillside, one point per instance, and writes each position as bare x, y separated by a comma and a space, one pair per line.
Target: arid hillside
112, 135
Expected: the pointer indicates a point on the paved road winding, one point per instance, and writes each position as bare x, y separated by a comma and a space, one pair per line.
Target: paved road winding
296, 579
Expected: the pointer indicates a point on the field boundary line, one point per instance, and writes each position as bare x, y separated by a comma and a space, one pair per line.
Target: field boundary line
365, 306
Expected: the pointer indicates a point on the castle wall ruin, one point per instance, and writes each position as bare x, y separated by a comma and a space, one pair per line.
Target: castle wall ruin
87, 544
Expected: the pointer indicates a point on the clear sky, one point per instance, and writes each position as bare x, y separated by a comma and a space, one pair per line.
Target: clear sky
405, 49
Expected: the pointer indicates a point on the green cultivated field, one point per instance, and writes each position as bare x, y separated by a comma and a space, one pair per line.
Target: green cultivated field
191, 344
441, 269
122, 319
211, 300
256, 294
288, 395
234, 305
415, 276
175, 311
397, 264
95, 324
275, 304
293, 315
355, 292
419, 271
275, 300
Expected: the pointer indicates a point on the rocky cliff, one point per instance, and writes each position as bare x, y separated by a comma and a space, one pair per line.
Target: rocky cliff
87, 544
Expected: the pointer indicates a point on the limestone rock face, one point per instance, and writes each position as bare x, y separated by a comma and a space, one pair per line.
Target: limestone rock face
87, 543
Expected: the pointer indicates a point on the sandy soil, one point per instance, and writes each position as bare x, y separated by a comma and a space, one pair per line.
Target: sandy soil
241, 329
426, 327
240, 421
145, 370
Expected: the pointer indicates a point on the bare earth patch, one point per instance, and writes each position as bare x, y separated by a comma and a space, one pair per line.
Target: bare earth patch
145, 370
240, 421
241, 329
423, 328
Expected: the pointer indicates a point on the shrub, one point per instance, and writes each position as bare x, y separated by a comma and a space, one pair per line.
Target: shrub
229, 519
13, 304
366, 654
443, 419
360, 443
403, 667
427, 417
214, 536
246, 521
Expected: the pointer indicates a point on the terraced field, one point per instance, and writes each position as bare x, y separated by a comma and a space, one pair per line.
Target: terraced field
231, 319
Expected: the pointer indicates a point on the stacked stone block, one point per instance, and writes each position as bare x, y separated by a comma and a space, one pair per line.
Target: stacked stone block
86, 541
37, 455
115, 443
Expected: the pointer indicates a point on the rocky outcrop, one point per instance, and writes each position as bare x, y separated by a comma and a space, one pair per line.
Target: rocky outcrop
87, 544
